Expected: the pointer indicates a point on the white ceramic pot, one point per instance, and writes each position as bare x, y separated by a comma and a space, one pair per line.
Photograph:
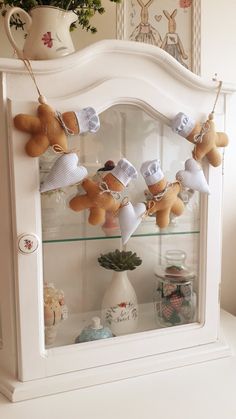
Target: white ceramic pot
48, 32
120, 306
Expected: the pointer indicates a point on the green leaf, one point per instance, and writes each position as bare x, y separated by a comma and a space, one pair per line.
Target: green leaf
119, 260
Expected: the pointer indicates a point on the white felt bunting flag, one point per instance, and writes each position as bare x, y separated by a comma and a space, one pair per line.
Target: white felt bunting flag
66, 171
129, 218
193, 177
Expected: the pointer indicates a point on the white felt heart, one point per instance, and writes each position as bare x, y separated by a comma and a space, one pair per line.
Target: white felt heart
129, 218
65, 171
193, 177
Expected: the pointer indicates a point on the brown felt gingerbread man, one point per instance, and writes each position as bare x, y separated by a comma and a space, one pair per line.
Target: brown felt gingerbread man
164, 198
50, 128
104, 195
204, 136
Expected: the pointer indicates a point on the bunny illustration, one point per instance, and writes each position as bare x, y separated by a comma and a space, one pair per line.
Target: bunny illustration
172, 43
144, 32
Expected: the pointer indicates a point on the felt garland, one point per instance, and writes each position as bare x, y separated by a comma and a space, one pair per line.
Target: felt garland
103, 197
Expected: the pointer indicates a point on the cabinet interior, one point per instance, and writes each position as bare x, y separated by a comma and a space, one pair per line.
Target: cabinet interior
71, 246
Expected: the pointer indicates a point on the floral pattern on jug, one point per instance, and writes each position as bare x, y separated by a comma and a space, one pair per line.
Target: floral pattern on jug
48, 32
49, 41
121, 312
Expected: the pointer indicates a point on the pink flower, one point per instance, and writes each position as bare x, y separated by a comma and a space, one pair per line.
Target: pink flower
28, 244
122, 304
47, 39
185, 3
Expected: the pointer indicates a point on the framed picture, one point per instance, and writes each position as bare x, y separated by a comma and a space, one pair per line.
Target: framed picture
173, 25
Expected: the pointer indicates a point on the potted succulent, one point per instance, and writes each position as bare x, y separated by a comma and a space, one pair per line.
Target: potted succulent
119, 305
48, 23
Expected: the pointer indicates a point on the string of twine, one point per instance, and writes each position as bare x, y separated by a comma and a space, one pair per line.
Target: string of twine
150, 204
160, 195
67, 130
205, 127
125, 201
217, 96
104, 188
42, 99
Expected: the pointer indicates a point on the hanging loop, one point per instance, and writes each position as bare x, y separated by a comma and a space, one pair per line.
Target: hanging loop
42, 99
216, 99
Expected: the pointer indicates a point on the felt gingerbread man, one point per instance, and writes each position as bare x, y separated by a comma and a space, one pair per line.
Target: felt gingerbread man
164, 196
50, 128
104, 195
203, 136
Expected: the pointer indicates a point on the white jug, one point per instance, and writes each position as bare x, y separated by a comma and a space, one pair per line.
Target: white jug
48, 32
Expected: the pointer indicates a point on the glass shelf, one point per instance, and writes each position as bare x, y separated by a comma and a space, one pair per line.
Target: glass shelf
69, 329
81, 232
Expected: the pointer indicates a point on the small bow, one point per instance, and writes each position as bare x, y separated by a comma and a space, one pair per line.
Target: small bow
104, 189
160, 195
67, 130
199, 137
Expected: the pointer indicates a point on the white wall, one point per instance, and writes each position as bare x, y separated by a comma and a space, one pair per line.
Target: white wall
218, 39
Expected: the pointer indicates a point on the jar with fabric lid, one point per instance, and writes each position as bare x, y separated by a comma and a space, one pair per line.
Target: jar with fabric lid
175, 298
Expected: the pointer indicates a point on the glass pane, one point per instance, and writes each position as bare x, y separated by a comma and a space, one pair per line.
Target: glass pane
78, 287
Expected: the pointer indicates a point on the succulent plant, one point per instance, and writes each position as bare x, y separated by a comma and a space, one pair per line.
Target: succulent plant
120, 261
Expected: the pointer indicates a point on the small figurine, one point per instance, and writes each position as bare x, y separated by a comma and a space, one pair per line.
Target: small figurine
165, 198
203, 135
55, 311
94, 331
104, 196
50, 128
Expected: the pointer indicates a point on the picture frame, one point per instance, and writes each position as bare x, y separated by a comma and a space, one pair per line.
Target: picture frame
173, 25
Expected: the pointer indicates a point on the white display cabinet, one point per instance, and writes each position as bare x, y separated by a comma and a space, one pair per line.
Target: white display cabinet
136, 89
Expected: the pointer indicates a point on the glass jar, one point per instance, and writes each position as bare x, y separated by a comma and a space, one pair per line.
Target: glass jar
175, 299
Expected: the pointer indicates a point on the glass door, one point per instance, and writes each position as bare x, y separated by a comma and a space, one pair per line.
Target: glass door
165, 290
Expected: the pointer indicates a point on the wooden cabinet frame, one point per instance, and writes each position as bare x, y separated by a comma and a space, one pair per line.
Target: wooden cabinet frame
105, 74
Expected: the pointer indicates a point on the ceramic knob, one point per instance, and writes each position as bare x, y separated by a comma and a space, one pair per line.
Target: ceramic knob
28, 243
